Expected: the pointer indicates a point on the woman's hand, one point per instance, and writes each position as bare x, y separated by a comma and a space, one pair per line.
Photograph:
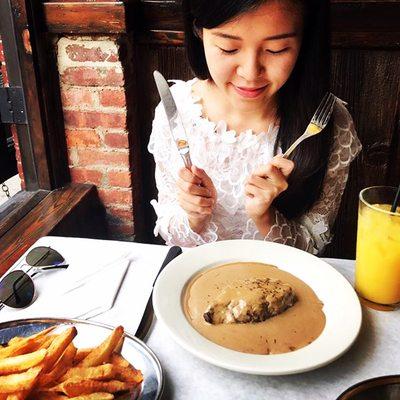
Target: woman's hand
264, 185
197, 196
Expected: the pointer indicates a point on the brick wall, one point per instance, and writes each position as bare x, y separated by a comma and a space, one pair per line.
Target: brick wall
94, 105
12, 127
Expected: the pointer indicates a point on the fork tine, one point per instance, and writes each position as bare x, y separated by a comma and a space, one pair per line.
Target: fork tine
329, 113
323, 112
321, 105
325, 117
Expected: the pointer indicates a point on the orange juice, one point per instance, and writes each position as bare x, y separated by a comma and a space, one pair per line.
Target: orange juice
378, 254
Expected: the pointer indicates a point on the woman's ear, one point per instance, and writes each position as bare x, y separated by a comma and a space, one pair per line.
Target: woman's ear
198, 32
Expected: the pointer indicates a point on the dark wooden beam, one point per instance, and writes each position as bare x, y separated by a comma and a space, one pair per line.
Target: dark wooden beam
361, 23
85, 17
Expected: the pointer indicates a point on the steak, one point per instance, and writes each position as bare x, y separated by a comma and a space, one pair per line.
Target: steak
250, 300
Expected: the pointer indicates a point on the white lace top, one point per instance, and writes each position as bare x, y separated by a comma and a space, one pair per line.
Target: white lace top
229, 158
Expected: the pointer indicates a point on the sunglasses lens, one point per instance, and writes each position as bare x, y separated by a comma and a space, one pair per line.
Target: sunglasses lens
44, 256
16, 289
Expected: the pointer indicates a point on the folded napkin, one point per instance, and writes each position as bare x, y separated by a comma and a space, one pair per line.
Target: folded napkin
61, 295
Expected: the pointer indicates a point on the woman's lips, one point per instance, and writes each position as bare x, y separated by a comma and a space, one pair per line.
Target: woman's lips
250, 93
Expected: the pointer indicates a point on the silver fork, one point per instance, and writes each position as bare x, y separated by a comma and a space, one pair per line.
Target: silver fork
318, 122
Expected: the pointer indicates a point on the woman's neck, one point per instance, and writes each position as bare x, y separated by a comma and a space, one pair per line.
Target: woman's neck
217, 107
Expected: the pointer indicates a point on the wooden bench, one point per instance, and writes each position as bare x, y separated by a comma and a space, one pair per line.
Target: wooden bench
74, 210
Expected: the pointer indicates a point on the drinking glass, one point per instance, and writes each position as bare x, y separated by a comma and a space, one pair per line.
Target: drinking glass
377, 274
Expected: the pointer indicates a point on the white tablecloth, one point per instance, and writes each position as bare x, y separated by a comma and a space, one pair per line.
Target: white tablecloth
375, 353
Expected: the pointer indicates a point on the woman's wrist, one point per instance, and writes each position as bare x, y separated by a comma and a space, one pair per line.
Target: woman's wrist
264, 222
199, 225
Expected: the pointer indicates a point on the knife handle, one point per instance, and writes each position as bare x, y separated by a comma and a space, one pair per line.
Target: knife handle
147, 317
173, 252
187, 160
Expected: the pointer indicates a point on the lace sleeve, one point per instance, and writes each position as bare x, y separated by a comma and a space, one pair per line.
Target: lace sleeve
172, 222
312, 231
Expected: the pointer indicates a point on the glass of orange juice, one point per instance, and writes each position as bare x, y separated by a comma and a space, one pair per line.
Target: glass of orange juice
378, 246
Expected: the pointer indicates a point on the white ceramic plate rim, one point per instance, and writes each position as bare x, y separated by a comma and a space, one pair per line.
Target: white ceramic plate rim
341, 306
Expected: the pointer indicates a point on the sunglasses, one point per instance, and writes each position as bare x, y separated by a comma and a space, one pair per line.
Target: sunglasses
17, 288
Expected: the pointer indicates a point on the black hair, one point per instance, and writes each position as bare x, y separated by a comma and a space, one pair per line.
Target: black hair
297, 99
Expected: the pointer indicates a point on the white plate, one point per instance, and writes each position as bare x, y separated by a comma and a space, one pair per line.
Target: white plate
341, 306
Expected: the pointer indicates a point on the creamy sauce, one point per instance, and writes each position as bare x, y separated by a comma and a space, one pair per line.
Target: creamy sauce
295, 328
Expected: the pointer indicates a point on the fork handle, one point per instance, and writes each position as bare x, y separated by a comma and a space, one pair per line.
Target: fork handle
290, 150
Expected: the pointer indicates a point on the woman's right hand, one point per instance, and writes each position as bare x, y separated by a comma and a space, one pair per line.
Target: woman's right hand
197, 196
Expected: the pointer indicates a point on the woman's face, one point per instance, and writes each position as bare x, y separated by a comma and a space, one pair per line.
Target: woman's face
251, 57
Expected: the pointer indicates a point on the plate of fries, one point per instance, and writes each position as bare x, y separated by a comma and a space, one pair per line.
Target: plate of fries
56, 359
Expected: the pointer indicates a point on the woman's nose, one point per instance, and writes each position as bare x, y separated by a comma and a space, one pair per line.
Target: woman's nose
250, 68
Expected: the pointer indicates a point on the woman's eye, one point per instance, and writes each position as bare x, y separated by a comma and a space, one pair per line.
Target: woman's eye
278, 51
228, 51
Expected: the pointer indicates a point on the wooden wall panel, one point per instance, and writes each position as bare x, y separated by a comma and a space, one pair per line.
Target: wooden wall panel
369, 82
366, 65
367, 78
171, 62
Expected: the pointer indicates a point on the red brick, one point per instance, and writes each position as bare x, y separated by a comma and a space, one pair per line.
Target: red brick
112, 98
82, 138
122, 229
88, 76
14, 133
114, 197
78, 97
117, 140
1, 52
120, 178
94, 119
98, 157
20, 173
4, 74
120, 214
82, 175
81, 53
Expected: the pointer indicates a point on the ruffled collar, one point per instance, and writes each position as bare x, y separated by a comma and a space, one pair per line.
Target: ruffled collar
220, 128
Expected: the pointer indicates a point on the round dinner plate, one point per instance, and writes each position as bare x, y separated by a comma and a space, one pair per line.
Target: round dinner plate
91, 334
341, 306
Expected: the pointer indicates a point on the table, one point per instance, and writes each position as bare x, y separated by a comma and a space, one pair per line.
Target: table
375, 352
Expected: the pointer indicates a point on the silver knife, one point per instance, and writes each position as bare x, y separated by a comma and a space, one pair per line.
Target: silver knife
174, 119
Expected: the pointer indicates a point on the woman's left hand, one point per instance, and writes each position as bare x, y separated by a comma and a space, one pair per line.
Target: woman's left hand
263, 186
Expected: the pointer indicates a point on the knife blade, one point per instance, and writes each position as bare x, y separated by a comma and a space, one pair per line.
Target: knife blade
175, 122
148, 314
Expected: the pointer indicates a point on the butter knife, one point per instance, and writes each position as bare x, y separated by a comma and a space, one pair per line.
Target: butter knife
148, 314
174, 119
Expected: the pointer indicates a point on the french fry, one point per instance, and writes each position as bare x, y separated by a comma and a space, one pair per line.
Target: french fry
78, 387
22, 362
25, 345
100, 372
47, 342
94, 396
57, 347
48, 396
19, 382
18, 396
102, 353
128, 374
47, 366
81, 354
118, 347
118, 360
60, 368
15, 340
